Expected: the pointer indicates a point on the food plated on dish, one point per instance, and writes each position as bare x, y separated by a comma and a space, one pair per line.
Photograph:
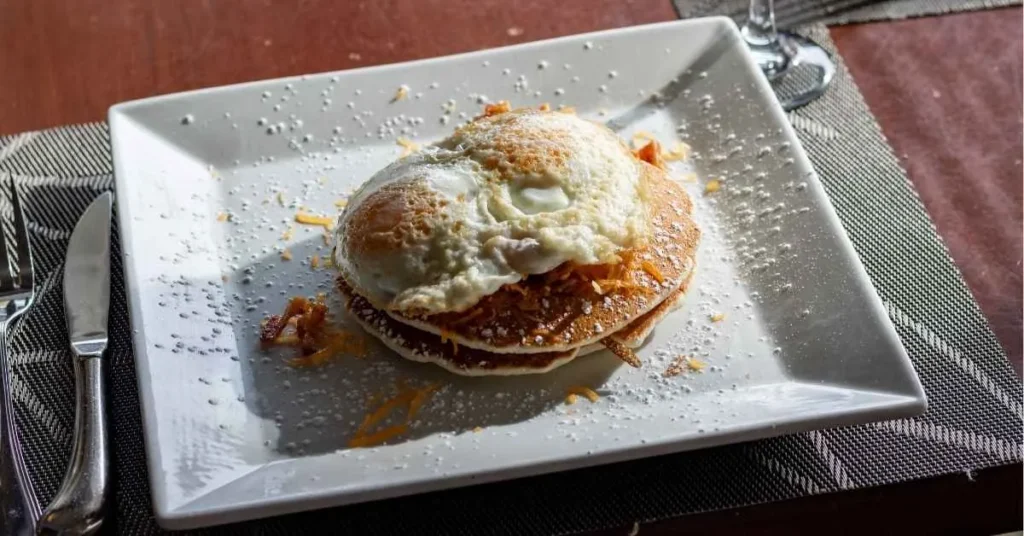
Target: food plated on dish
526, 239
520, 242
232, 217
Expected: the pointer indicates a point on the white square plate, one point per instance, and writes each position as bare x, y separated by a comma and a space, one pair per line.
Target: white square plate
234, 433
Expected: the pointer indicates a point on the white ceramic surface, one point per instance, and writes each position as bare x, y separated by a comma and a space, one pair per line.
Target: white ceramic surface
233, 433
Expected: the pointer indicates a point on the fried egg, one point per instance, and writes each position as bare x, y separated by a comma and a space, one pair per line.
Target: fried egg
505, 196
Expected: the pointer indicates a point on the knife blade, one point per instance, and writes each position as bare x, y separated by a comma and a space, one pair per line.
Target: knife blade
79, 505
87, 279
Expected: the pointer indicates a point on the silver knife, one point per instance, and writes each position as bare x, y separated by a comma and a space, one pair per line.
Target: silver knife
79, 505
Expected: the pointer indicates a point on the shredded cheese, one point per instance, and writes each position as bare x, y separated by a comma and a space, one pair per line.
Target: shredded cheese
288, 233
341, 203
377, 438
623, 352
280, 198
545, 107
499, 107
524, 298
401, 93
286, 255
419, 399
718, 317
341, 342
403, 398
306, 218
447, 336
477, 429
304, 325
653, 270
467, 317
408, 146
570, 399
680, 151
712, 186
614, 284
412, 399
314, 262
681, 363
584, 391
223, 216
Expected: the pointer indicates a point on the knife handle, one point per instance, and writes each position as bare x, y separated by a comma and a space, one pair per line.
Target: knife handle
79, 505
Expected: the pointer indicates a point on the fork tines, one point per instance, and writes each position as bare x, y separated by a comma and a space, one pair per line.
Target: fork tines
15, 254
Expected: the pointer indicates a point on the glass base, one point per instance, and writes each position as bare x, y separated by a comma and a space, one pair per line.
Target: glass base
797, 67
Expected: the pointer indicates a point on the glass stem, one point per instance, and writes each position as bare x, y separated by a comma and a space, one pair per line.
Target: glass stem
759, 31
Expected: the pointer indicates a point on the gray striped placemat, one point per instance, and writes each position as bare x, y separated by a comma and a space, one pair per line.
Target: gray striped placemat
974, 420
832, 12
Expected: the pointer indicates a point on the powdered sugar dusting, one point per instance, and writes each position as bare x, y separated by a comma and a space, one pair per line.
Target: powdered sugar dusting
223, 226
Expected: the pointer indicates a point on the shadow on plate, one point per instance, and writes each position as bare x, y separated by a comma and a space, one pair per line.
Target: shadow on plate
318, 409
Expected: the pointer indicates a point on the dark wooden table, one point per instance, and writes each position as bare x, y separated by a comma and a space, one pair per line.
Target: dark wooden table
946, 90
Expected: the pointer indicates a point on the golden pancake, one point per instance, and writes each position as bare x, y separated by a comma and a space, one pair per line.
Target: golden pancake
424, 347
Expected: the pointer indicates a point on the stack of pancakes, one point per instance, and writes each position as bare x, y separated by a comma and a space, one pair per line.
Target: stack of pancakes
524, 240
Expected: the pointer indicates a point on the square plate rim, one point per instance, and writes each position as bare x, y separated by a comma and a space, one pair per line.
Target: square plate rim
124, 106
894, 405
182, 517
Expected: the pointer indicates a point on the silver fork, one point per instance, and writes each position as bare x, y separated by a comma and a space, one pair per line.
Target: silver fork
20, 508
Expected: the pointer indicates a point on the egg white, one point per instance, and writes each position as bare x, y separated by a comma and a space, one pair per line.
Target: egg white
502, 198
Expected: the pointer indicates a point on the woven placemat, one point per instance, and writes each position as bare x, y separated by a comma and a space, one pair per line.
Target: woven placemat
974, 421
832, 12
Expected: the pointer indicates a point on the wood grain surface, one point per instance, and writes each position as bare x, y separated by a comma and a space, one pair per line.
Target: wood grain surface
946, 90
68, 61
